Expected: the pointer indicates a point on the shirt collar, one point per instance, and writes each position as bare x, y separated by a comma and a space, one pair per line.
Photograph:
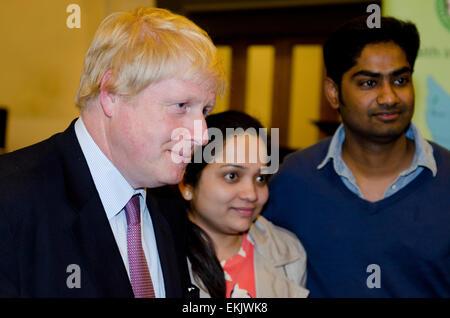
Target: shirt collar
335, 148
113, 189
423, 155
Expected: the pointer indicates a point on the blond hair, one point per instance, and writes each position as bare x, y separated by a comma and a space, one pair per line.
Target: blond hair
146, 46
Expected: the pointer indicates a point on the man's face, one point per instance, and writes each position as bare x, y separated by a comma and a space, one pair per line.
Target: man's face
377, 94
140, 132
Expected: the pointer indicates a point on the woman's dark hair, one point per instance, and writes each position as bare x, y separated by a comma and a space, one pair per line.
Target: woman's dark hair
345, 45
201, 252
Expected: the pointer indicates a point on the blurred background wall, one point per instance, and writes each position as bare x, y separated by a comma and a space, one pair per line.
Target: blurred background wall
432, 69
271, 51
41, 61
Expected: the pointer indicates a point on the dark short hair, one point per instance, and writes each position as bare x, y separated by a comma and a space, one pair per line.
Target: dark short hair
345, 45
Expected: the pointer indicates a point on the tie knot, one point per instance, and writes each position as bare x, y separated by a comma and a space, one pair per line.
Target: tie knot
132, 210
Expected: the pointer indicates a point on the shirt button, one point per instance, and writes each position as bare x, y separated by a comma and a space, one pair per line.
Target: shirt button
394, 187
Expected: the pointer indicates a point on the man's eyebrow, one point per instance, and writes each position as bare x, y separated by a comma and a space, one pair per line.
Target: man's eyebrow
398, 72
405, 69
366, 73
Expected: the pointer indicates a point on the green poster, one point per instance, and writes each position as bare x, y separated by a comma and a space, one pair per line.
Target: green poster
432, 69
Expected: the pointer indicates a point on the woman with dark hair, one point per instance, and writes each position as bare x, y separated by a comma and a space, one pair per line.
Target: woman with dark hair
234, 252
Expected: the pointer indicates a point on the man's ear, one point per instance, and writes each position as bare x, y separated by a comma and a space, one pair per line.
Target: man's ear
187, 191
331, 90
107, 99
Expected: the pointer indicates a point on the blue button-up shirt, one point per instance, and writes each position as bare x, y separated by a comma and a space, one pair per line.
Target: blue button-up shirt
423, 159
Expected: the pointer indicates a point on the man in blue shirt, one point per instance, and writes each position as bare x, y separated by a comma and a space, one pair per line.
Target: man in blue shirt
371, 204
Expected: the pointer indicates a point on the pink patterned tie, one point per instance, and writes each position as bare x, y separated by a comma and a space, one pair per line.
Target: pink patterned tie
140, 276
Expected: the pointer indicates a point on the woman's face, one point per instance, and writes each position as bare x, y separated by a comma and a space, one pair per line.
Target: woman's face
231, 191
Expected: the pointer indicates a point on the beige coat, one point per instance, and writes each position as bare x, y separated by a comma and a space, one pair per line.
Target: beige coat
280, 263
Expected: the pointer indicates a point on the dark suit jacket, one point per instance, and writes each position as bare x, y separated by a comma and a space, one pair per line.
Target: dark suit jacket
51, 217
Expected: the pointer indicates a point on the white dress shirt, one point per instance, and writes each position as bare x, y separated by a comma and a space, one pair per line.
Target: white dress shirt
115, 192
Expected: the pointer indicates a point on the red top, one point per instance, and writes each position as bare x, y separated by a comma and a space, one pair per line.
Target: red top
240, 272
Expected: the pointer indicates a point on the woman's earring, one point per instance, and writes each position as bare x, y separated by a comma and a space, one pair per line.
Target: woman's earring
187, 193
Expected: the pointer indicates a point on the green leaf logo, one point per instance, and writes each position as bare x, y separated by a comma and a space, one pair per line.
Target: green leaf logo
443, 12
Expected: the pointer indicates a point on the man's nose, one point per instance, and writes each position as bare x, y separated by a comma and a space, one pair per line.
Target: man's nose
387, 95
200, 134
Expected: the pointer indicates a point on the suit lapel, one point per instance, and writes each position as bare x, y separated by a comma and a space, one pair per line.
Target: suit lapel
166, 250
100, 251
167, 209
91, 228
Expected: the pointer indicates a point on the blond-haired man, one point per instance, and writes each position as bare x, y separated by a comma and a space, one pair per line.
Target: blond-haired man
66, 228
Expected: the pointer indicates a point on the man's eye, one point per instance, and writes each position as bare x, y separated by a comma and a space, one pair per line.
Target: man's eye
181, 105
368, 83
401, 81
